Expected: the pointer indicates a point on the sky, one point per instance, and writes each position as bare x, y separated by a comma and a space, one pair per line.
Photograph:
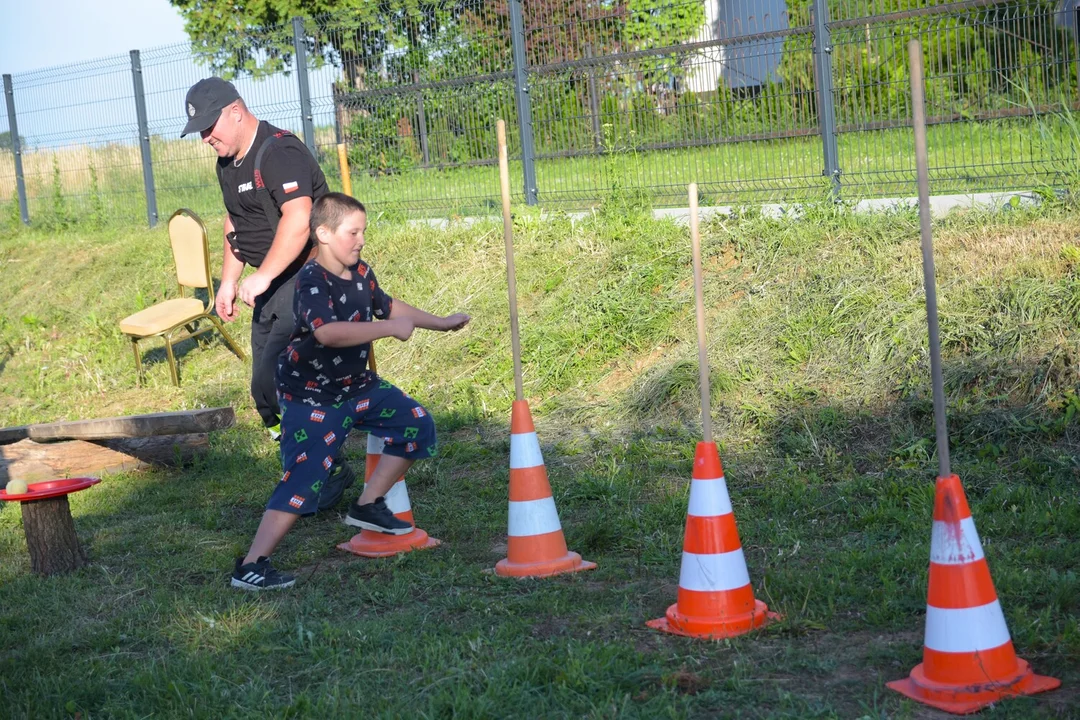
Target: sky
42, 33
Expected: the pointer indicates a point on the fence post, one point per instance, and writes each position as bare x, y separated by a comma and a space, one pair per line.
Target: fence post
421, 119
524, 102
594, 105
144, 139
16, 150
1076, 42
300, 47
826, 108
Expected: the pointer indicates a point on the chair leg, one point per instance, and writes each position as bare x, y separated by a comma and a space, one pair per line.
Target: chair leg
192, 328
138, 361
228, 338
172, 362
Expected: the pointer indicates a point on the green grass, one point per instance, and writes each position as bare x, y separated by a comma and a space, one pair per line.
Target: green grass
821, 403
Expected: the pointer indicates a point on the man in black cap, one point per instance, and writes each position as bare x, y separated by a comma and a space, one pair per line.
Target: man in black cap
269, 181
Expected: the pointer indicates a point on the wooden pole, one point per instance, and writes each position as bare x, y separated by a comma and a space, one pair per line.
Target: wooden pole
922, 169
508, 238
699, 300
343, 162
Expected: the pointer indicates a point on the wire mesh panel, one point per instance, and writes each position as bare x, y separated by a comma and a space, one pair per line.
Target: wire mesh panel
80, 153
9, 201
415, 95
646, 97
628, 99
1000, 90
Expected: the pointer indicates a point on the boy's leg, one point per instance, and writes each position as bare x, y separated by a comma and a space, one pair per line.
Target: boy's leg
408, 432
255, 571
308, 445
387, 472
273, 527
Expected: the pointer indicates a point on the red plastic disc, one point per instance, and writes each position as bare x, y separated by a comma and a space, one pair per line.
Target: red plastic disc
50, 489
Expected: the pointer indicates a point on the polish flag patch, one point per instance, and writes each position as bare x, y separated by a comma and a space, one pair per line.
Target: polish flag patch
290, 187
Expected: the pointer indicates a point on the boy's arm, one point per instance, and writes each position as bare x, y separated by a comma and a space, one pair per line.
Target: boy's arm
425, 320
350, 334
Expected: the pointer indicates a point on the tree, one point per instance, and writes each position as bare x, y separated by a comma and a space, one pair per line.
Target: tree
5, 140
254, 36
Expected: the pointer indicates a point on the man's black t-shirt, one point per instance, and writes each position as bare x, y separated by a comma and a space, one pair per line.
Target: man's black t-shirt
288, 170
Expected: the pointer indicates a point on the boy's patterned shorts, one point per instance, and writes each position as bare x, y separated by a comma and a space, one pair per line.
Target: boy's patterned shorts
311, 438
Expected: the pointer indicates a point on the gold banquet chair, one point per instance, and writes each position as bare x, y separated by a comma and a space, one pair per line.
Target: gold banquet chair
191, 253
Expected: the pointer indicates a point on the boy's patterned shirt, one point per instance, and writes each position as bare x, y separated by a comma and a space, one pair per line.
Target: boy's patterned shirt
309, 371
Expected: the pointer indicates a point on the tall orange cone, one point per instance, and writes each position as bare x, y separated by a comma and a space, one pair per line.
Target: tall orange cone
368, 543
535, 546
968, 656
715, 597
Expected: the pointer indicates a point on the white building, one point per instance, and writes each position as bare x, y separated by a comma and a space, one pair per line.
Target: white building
740, 65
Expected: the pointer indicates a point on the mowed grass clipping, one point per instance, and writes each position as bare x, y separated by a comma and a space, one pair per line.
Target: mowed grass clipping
821, 404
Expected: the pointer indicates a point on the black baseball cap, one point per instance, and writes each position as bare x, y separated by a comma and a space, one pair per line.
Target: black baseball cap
205, 101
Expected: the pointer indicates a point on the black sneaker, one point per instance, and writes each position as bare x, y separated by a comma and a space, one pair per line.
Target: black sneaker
260, 575
341, 479
376, 516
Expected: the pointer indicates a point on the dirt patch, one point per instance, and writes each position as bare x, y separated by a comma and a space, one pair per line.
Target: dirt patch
621, 377
685, 682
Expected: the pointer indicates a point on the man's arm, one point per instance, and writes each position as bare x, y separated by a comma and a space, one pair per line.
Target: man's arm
419, 318
231, 268
289, 241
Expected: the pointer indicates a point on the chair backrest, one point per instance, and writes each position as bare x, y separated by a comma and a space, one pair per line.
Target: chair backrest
190, 248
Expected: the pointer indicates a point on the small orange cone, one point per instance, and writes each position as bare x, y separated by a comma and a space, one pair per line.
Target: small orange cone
369, 543
535, 546
968, 656
715, 598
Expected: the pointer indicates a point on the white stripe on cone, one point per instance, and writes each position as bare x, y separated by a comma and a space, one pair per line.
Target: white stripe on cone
955, 543
964, 630
712, 573
709, 498
533, 517
525, 451
397, 498
374, 444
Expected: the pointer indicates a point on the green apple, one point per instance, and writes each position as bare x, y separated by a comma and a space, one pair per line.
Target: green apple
16, 487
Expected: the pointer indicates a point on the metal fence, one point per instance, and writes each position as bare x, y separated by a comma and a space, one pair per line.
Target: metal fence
755, 100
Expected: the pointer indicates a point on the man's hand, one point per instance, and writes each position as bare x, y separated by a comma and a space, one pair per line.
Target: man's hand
253, 286
403, 328
225, 301
454, 322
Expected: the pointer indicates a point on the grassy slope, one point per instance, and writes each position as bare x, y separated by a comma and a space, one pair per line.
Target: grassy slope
821, 402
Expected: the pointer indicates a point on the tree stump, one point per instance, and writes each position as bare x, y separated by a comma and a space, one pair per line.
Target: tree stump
50, 536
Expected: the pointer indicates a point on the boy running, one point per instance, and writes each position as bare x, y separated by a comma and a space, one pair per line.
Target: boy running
325, 389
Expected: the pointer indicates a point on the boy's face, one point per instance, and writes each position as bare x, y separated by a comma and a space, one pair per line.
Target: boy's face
345, 243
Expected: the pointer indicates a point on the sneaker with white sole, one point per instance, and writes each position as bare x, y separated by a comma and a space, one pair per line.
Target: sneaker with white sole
275, 432
376, 516
260, 575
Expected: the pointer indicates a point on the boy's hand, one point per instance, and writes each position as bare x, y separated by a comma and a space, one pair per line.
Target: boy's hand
403, 328
455, 322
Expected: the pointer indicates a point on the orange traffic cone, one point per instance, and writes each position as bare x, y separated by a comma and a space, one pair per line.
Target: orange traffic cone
369, 543
968, 657
715, 597
536, 546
